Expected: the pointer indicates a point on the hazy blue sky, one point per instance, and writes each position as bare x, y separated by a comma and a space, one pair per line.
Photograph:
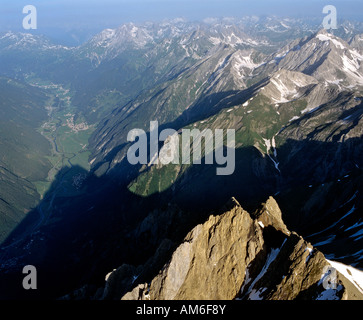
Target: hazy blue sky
94, 15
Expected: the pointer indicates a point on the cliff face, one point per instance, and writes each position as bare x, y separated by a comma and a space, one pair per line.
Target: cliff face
241, 256
235, 255
212, 260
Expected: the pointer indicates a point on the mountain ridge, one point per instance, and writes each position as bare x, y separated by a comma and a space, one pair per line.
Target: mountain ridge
237, 255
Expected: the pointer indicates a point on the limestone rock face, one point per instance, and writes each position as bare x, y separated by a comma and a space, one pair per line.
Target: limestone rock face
217, 252
236, 255
270, 215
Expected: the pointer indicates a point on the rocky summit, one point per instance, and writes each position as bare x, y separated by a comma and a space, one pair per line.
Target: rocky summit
237, 256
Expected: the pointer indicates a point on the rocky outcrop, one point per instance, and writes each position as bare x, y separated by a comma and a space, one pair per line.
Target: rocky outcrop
236, 255
214, 250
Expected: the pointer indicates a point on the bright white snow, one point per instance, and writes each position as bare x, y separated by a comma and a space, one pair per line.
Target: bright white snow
323, 37
353, 275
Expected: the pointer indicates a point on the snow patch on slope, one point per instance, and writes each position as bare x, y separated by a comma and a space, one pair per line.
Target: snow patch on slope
355, 276
328, 37
285, 86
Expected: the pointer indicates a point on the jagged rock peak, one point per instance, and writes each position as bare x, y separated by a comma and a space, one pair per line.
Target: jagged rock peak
219, 249
236, 255
270, 215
